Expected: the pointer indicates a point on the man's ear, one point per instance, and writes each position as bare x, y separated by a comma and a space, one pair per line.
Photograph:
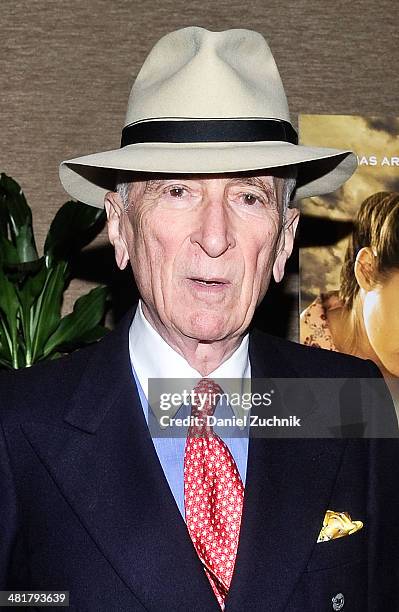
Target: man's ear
364, 268
114, 208
285, 243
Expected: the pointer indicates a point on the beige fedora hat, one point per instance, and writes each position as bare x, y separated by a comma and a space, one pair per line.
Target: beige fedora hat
207, 102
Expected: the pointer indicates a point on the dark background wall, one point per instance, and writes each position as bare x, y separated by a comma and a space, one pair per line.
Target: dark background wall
66, 68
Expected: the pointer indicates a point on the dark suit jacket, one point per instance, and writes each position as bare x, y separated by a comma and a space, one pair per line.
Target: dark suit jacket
85, 506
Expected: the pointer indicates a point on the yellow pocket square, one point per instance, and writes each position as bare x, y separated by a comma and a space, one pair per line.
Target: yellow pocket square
337, 525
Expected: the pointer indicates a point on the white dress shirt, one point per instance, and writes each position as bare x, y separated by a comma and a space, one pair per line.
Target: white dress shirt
152, 357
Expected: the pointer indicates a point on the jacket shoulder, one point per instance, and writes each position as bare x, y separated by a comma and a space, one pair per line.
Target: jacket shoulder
46, 389
42, 390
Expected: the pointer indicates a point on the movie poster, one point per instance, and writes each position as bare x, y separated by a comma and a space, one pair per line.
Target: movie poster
335, 257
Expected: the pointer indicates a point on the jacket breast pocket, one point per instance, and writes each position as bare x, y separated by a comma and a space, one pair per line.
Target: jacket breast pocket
348, 549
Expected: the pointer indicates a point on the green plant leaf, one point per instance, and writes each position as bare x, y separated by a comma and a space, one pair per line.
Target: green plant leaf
74, 226
5, 363
4, 217
25, 244
19, 217
92, 335
55, 356
9, 303
32, 288
81, 326
33, 285
28, 293
8, 252
47, 309
5, 345
9, 307
17, 273
18, 208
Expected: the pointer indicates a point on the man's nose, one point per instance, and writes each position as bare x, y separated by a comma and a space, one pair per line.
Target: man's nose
213, 232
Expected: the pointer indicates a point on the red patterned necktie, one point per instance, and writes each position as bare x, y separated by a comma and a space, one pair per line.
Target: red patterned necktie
213, 493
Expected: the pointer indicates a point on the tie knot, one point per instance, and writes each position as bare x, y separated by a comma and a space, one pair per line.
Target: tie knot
206, 394
204, 398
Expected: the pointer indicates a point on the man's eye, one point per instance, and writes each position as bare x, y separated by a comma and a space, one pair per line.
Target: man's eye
250, 198
176, 192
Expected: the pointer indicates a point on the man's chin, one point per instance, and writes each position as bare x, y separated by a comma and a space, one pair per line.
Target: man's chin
205, 326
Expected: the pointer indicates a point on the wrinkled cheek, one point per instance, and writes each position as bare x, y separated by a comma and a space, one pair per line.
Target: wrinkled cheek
144, 257
265, 263
257, 266
160, 260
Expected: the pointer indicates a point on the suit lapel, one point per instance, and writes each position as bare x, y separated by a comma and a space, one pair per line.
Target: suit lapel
288, 487
103, 460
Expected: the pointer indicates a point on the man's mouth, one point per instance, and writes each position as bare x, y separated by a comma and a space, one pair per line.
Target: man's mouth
209, 282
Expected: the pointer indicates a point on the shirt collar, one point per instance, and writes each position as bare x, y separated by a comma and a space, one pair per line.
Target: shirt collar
152, 357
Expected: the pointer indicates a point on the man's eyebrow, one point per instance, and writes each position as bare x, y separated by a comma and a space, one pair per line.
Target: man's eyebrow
253, 181
153, 184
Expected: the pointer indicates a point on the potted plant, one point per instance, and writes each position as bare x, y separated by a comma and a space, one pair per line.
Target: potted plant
32, 286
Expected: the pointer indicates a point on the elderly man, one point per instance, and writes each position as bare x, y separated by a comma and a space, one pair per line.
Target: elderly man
199, 200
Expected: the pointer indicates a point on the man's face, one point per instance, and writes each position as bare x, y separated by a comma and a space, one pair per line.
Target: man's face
202, 249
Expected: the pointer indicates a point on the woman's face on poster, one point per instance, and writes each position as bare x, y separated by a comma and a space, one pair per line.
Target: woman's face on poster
381, 320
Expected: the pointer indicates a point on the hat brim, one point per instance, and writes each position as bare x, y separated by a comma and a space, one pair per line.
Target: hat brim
320, 170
